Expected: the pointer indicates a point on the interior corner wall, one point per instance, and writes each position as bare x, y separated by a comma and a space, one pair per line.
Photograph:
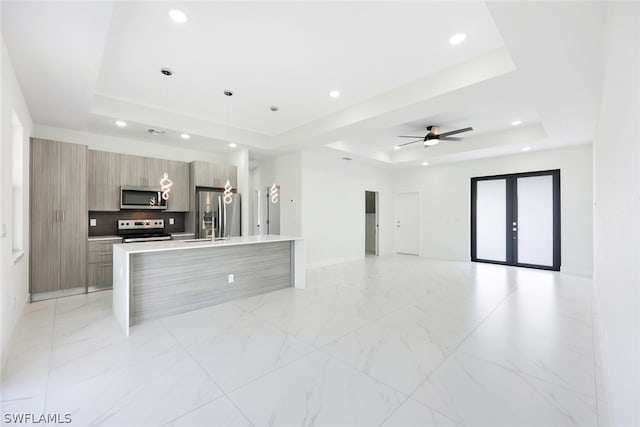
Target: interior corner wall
446, 197
617, 216
14, 276
333, 206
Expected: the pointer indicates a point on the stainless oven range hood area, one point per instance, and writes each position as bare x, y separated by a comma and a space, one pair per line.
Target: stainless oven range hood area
141, 198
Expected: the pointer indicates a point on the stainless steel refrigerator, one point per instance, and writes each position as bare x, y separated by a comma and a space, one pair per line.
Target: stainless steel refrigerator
214, 217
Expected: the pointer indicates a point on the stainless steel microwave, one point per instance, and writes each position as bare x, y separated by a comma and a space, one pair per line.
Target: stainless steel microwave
141, 198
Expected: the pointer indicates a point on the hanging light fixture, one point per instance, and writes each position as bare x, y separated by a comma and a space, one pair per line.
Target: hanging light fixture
228, 194
274, 191
165, 182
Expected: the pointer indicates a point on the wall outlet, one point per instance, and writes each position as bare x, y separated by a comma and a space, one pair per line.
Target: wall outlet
231, 278
92, 222
171, 221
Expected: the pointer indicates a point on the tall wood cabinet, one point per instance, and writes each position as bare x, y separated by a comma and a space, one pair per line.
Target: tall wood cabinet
58, 216
103, 180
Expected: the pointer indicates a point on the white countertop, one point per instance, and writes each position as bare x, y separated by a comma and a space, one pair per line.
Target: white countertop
182, 233
92, 238
172, 245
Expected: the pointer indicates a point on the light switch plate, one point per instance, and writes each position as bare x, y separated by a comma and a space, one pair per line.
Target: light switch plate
92, 222
231, 278
171, 221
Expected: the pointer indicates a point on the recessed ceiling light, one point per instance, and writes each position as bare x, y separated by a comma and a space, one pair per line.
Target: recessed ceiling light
526, 149
177, 15
516, 122
334, 94
233, 145
457, 38
120, 123
185, 136
396, 147
425, 163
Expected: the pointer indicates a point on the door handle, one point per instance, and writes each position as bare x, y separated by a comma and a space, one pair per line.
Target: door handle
62, 215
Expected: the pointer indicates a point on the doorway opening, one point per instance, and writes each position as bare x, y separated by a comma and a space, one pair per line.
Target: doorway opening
515, 219
371, 224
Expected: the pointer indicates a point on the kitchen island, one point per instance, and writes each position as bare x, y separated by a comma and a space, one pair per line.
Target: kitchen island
152, 280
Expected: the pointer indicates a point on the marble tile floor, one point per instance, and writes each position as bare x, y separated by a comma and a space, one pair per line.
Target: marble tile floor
385, 341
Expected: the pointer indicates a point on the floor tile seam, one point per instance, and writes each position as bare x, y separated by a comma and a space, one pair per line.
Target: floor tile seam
458, 423
53, 326
526, 374
224, 393
455, 349
193, 410
350, 366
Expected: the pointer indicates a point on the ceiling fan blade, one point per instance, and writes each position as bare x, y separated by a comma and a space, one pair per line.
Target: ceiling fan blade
453, 132
407, 143
406, 136
450, 138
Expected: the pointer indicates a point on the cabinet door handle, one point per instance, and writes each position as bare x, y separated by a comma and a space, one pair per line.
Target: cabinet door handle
62, 215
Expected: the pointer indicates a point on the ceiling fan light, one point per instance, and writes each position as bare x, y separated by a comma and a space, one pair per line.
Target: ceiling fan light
431, 142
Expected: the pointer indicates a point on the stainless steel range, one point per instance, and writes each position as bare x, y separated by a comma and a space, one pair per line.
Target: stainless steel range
142, 230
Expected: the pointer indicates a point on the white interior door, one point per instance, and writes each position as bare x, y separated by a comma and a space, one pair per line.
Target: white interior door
408, 223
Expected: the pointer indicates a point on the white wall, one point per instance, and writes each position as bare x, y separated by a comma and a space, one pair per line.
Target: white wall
617, 216
333, 206
446, 188
14, 276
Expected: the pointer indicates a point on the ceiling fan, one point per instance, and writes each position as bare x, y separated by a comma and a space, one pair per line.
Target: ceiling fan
434, 136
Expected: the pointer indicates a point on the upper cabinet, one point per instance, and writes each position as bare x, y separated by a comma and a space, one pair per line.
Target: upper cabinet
107, 172
213, 175
133, 171
103, 183
179, 196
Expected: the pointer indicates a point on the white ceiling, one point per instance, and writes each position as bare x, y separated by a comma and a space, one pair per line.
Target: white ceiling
84, 64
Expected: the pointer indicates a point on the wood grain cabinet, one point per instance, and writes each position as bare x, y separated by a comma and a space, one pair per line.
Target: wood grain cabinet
133, 171
100, 263
138, 171
58, 217
179, 174
103, 181
213, 175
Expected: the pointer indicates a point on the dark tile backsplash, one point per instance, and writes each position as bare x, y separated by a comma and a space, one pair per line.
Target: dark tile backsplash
107, 222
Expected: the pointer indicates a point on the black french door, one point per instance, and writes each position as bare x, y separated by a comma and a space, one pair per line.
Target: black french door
515, 219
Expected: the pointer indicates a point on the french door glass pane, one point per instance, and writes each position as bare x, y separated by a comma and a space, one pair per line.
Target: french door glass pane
491, 211
535, 220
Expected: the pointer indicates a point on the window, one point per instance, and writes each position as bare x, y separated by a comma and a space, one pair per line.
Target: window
17, 171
